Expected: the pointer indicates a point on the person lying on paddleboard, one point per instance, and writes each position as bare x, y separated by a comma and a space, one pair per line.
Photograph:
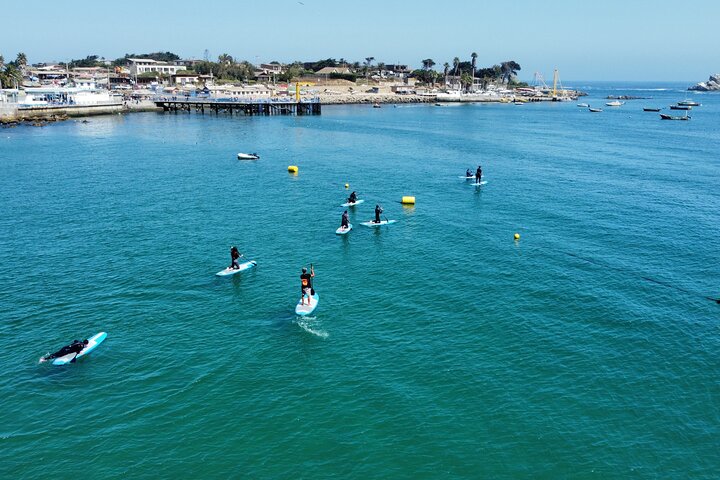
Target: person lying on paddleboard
378, 211
345, 223
468, 173
352, 198
306, 286
478, 174
234, 255
75, 347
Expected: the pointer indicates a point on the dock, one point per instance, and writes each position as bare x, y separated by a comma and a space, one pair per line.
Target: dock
241, 106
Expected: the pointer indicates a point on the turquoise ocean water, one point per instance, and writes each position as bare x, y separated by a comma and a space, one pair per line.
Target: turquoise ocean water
441, 348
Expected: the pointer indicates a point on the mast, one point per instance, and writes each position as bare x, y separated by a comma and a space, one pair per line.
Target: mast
555, 80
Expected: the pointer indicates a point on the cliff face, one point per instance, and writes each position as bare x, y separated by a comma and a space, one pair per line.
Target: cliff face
712, 85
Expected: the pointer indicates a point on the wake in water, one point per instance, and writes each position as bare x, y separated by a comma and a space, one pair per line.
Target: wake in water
309, 324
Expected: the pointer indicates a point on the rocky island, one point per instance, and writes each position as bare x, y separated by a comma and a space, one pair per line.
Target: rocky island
712, 85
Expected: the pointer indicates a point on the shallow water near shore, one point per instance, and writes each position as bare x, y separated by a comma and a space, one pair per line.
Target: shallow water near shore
441, 347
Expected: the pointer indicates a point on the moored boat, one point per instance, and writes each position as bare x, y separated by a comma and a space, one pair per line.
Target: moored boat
583, 105
688, 103
665, 116
680, 107
248, 156
595, 110
651, 109
615, 103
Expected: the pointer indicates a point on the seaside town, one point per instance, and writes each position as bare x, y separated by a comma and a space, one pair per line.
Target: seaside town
41, 92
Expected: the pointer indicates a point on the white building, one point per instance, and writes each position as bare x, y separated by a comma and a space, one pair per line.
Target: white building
138, 66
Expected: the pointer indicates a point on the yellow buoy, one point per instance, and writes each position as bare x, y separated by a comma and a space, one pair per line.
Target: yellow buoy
517, 236
293, 169
408, 200
347, 185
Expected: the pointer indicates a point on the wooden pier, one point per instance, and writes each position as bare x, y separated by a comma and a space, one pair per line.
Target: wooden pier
244, 107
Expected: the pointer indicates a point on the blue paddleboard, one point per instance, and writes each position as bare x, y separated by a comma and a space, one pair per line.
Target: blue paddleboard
307, 309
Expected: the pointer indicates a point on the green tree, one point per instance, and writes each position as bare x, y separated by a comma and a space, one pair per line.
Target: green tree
367, 64
226, 59
446, 69
508, 70
428, 64
2, 63
456, 64
473, 56
21, 60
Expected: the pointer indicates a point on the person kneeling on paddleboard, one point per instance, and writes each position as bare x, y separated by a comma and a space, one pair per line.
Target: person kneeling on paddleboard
75, 347
345, 223
468, 173
478, 174
234, 255
352, 198
306, 287
378, 211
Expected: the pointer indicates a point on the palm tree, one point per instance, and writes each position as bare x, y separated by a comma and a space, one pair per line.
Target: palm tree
428, 63
225, 59
368, 62
456, 64
446, 67
2, 63
474, 56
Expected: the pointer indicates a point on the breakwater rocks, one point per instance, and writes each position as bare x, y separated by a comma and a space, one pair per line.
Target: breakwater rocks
712, 85
362, 98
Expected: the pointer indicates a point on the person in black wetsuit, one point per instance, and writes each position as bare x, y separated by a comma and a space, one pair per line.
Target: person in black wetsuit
306, 284
75, 347
478, 175
345, 223
468, 173
378, 211
352, 198
234, 255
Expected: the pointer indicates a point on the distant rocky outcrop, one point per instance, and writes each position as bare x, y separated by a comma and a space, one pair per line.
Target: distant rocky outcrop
712, 85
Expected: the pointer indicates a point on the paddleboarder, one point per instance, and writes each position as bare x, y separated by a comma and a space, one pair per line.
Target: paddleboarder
478, 175
234, 255
352, 198
306, 287
344, 223
378, 211
75, 347
468, 173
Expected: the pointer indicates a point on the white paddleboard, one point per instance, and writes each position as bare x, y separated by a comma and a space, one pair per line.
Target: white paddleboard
478, 184
93, 342
382, 222
343, 231
307, 308
348, 204
232, 271
467, 178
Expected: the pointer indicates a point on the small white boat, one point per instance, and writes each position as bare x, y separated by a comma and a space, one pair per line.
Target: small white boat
583, 105
615, 103
248, 156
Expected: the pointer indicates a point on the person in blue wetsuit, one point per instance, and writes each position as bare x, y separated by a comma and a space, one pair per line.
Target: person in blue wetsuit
75, 347
344, 223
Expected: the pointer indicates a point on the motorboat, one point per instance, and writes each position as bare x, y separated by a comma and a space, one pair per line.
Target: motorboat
664, 116
595, 110
680, 107
615, 103
583, 105
248, 156
689, 103
646, 109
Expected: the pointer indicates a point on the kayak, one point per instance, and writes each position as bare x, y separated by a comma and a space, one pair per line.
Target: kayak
232, 271
343, 231
348, 204
374, 224
307, 308
93, 343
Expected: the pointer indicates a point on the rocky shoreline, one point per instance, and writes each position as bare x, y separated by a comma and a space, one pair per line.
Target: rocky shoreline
712, 85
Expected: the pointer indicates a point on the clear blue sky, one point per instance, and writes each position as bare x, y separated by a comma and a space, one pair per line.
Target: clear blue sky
605, 40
